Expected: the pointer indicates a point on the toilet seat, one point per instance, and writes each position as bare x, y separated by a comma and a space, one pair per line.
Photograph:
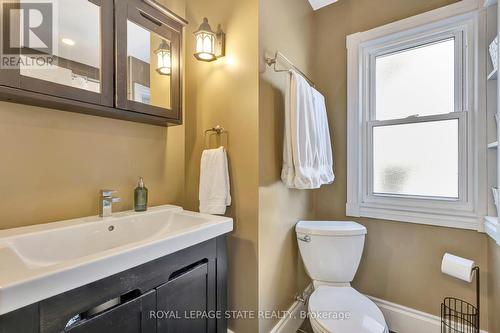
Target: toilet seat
344, 310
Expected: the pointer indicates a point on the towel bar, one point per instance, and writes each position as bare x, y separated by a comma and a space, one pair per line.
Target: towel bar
218, 130
271, 62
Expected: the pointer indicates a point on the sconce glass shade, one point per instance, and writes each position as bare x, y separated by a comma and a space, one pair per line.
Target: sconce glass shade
164, 66
205, 42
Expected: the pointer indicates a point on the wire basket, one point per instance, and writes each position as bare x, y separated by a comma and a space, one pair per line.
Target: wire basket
458, 316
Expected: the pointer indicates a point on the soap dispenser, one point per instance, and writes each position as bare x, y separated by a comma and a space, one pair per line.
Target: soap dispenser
141, 197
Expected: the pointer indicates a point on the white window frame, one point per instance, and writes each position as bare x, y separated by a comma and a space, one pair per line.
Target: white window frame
458, 21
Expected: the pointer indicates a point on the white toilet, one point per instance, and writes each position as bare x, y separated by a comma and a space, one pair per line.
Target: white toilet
331, 252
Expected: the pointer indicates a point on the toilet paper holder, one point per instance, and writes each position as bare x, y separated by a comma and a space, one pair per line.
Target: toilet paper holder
459, 316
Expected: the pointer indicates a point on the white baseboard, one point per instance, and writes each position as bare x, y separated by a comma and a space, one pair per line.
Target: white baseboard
229, 331
402, 319
292, 322
399, 318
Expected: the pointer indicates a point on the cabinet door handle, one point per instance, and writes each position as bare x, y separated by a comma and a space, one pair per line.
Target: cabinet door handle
120, 300
306, 238
188, 269
149, 18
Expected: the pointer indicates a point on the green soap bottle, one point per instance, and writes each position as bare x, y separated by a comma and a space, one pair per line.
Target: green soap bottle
141, 197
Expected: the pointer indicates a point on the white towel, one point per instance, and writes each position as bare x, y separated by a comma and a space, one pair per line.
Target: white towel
307, 150
214, 182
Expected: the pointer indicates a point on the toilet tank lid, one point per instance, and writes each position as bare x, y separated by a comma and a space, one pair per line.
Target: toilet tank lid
330, 228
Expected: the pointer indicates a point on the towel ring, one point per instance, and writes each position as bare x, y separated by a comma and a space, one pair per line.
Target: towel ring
218, 131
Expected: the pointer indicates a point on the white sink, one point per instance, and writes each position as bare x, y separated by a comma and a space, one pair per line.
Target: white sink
41, 261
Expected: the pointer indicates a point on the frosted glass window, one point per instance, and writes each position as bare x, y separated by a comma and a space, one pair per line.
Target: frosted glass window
416, 81
411, 126
417, 159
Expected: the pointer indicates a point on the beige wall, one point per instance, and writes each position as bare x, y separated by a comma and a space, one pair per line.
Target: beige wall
401, 261
494, 286
287, 26
225, 92
55, 162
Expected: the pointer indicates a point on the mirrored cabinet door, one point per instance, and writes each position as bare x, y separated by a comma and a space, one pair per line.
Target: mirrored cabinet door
148, 60
74, 58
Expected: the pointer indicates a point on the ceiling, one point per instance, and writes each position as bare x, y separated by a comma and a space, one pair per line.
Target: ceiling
317, 4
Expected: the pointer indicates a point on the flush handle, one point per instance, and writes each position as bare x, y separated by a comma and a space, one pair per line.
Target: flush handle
306, 238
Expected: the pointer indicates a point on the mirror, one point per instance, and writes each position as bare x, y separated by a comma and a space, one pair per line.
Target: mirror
148, 67
76, 51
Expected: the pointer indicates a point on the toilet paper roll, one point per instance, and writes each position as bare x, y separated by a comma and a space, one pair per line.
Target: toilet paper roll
457, 267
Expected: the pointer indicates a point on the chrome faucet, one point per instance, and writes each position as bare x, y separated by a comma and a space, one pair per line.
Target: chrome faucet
106, 201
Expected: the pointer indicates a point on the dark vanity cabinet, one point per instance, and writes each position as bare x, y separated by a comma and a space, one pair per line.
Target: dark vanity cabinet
182, 292
118, 59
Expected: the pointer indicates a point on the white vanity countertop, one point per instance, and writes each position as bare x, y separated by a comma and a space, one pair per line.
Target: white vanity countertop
41, 261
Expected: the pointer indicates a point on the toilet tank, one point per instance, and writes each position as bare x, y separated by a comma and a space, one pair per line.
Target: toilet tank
331, 250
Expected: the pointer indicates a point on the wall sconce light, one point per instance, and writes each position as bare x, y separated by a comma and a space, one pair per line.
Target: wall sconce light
209, 45
164, 66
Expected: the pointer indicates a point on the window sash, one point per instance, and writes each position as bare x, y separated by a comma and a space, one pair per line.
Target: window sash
459, 36
370, 120
461, 117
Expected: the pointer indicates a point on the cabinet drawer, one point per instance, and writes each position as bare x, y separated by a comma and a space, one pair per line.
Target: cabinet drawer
129, 317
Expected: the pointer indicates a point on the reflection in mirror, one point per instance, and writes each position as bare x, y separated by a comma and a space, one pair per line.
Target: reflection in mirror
77, 47
149, 67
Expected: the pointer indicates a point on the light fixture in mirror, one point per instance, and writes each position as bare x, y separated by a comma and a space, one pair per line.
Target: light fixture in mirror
68, 41
209, 45
164, 64
148, 64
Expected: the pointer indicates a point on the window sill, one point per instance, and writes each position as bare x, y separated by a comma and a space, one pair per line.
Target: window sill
442, 219
492, 228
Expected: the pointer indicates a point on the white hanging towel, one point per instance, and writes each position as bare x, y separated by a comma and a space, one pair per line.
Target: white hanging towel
307, 150
214, 193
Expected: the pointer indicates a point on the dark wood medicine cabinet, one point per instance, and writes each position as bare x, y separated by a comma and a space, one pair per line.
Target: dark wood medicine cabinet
104, 61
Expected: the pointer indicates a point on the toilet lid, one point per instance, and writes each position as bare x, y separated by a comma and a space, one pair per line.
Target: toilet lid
345, 310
